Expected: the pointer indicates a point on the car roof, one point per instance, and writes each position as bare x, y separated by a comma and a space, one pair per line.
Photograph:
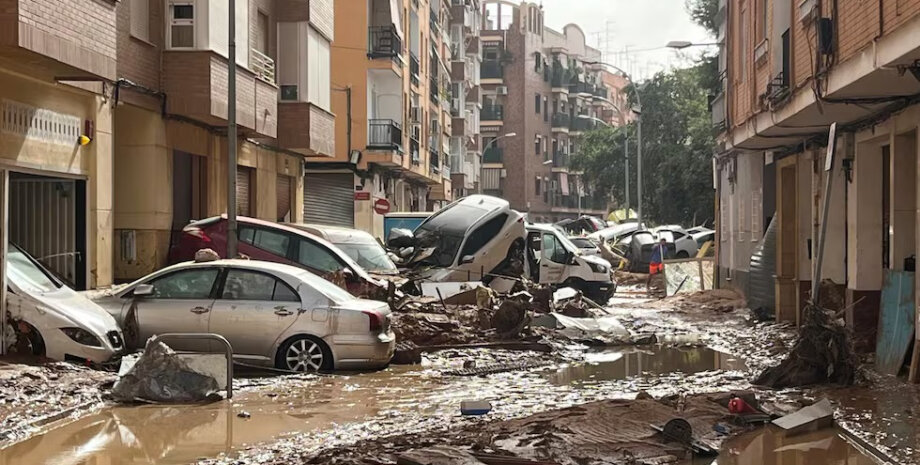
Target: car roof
542, 227
258, 265
336, 234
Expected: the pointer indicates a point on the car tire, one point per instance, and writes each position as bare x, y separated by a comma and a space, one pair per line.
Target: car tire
32, 340
304, 354
683, 254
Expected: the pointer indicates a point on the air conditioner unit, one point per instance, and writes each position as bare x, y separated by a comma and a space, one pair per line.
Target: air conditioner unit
503, 174
501, 90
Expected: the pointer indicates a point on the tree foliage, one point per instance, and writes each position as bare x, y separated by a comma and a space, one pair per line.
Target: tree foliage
677, 142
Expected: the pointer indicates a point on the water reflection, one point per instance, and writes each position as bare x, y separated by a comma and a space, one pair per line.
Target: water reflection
770, 446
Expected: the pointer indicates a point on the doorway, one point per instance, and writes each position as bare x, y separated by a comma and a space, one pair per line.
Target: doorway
787, 256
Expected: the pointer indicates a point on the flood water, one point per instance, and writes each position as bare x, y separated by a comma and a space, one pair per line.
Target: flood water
770, 446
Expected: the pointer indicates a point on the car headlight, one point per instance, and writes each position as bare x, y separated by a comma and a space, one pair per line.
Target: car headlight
597, 268
82, 336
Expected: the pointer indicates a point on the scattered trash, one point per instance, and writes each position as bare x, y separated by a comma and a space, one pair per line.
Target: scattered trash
475, 407
812, 418
206, 255
244, 414
161, 375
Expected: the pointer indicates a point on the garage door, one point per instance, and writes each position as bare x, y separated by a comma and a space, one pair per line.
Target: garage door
329, 199
244, 191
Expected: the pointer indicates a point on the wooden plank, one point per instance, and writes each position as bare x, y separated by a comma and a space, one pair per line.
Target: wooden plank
896, 321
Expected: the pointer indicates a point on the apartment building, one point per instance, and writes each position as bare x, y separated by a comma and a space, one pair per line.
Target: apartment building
391, 79
541, 90
466, 96
789, 70
170, 114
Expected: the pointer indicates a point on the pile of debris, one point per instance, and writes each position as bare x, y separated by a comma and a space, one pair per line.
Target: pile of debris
712, 300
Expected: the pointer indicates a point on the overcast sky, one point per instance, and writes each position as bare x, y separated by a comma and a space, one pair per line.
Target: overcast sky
638, 24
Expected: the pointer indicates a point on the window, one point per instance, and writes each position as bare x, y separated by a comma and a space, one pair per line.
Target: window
553, 249
252, 285
314, 256
536, 186
536, 144
318, 82
271, 241
761, 26
140, 19
181, 25
545, 108
483, 234
538, 61
262, 32
187, 284
536, 102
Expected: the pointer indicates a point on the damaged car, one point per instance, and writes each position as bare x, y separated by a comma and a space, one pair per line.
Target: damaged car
360, 246
476, 237
273, 242
49, 319
556, 261
273, 314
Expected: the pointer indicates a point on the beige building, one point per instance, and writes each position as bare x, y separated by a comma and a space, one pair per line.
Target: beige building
391, 89
170, 154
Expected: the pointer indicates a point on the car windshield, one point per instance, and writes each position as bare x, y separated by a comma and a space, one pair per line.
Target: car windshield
583, 243
27, 273
445, 232
335, 293
369, 256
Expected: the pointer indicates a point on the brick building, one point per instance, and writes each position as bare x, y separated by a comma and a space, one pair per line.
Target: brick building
466, 96
789, 70
541, 86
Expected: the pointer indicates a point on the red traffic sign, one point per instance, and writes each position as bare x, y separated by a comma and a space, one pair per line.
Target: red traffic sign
382, 206
362, 195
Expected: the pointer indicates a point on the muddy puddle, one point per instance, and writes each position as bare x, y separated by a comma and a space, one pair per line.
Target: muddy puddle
650, 361
769, 446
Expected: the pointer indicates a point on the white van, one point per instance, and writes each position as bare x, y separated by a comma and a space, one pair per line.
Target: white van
555, 260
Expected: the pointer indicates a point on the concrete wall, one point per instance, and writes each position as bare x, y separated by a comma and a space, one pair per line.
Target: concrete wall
741, 222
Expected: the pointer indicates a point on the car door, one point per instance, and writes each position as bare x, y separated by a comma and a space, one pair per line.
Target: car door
321, 261
265, 244
553, 261
252, 309
180, 303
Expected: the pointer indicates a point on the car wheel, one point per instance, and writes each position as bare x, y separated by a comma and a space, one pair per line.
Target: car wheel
683, 254
29, 340
305, 354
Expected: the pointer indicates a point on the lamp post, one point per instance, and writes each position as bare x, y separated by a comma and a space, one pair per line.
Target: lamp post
489, 145
231, 134
682, 44
638, 112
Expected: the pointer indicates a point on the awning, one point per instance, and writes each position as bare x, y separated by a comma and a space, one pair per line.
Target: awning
564, 183
395, 18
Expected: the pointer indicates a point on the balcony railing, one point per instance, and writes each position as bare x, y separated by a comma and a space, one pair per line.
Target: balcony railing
560, 160
415, 151
493, 155
492, 113
558, 76
383, 42
433, 89
581, 88
434, 160
384, 134
561, 120
492, 69
601, 91
582, 124
263, 66
413, 68
433, 17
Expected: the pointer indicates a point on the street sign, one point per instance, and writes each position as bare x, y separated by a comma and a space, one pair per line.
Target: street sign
382, 206
362, 195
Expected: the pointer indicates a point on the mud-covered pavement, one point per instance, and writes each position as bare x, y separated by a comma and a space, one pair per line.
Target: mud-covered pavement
706, 347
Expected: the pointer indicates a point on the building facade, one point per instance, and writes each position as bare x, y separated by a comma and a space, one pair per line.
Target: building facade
391, 78
541, 90
170, 114
466, 96
789, 70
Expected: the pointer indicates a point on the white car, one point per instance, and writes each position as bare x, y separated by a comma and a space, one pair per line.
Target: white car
273, 315
586, 246
556, 261
54, 321
685, 245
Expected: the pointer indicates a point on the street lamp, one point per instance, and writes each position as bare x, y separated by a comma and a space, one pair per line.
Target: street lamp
682, 44
638, 112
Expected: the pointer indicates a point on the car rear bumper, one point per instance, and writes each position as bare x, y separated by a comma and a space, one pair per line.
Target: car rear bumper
363, 353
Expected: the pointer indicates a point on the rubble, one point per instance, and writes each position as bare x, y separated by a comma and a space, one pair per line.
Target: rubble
161, 375
812, 418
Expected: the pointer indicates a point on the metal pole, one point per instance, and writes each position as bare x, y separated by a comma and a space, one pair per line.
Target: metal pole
626, 154
639, 164
231, 136
828, 185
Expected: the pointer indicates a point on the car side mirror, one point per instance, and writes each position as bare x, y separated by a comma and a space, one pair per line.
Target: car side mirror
143, 290
467, 259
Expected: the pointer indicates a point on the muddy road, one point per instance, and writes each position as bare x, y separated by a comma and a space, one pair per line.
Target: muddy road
704, 348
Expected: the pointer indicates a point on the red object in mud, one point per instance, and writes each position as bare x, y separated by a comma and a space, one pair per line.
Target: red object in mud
738, 406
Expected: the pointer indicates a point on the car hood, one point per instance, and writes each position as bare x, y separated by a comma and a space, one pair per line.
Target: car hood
596, 260
70, 306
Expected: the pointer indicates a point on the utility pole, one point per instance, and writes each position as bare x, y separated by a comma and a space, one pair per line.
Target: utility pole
626, 154
231, 135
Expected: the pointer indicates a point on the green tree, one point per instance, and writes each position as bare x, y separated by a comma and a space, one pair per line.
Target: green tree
677, 141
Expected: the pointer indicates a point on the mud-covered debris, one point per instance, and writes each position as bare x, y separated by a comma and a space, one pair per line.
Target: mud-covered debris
812, 418
438, 455
206, 255
512, 316
160, 375
244, 414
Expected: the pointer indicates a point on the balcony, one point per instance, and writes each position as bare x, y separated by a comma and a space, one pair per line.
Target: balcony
717, 107
383, 42
492, 113
561, 122
196, 82
263, 65
384, 134
579, 87
601, 92
492, 69
434, 21
561, 160
413, 68
48, 40
304, 128
433, 89
415, 151
582, 124
493, 155
434, 160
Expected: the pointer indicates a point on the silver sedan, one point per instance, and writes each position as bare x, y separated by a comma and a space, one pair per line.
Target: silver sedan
272, 314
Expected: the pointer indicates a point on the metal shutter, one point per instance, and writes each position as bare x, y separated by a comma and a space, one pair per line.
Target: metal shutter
283, 187
329, 198
243, 190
